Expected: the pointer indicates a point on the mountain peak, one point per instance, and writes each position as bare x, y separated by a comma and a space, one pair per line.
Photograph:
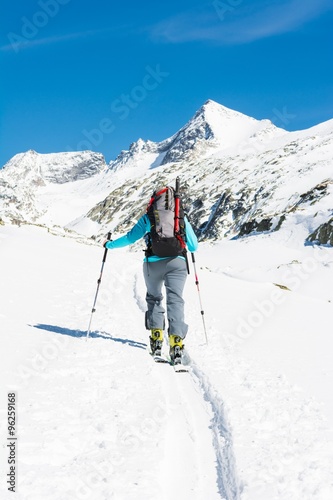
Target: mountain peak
212, 126
215, 125
211, 106
216, 114
56, 168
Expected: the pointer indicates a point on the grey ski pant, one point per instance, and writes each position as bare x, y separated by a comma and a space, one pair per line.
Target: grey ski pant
172, 273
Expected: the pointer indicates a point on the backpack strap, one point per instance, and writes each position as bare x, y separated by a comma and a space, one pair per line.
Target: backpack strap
155, 197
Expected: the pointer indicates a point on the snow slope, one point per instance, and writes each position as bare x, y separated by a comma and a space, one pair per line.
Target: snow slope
99, 420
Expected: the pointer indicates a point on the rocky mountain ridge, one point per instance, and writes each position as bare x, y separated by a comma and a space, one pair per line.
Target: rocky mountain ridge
24, 176
213, 128
239, 176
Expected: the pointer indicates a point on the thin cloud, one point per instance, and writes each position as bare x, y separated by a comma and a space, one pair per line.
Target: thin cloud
43, 41
240, 24
27, 44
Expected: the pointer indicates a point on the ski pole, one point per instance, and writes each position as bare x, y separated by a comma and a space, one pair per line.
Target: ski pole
200, 302
98, 284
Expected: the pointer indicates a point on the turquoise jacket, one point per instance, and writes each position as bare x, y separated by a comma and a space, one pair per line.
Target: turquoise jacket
141, 228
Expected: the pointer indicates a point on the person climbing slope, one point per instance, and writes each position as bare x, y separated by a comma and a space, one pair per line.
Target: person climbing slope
168, 234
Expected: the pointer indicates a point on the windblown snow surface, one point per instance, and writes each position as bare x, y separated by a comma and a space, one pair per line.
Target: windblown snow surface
98, 419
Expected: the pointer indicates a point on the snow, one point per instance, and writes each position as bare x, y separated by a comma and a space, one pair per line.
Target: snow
97, 419
232, 128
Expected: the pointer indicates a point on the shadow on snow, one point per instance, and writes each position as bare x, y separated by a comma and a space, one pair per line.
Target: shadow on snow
94, 335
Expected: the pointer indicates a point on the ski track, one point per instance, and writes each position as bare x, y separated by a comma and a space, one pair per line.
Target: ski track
188, 451
226, 464
204, 424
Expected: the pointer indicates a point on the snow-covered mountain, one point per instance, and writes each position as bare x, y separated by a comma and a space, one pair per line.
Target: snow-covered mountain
213, 127
239, 175
57, 168
26, 177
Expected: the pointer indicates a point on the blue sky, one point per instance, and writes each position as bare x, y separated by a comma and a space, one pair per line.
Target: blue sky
98, 75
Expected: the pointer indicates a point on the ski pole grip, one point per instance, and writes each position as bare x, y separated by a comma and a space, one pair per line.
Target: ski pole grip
106, 250
193, 258
177, 186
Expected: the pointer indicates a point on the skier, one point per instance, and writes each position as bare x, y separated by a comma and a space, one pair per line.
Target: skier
169, 269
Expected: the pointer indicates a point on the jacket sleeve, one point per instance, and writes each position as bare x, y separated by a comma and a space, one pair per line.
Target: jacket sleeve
191, 239
138, 231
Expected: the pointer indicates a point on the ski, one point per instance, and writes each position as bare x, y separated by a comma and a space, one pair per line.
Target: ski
180, 368
184, 365
159, 359
163, 359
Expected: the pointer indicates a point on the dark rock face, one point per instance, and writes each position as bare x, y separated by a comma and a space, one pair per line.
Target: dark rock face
313, 195
257, 226
323, 235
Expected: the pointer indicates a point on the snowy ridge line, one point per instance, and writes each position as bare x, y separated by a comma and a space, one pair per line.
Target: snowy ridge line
228, 483
63, 232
